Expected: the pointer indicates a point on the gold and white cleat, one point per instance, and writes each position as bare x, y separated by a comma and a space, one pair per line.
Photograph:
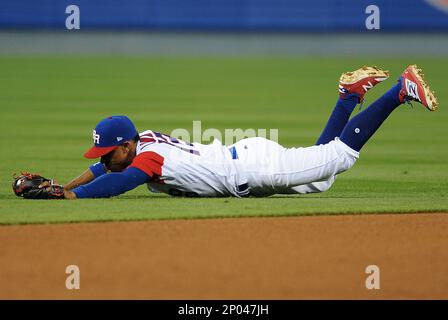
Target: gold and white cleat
360, 81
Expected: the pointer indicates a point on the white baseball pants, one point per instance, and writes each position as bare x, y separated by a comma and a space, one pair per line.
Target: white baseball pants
270, 168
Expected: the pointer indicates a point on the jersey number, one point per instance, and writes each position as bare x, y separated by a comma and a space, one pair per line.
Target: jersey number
164, 138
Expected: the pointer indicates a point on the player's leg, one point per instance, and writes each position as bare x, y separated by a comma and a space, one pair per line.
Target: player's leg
270, 168
352, 88
321, 163
410, 86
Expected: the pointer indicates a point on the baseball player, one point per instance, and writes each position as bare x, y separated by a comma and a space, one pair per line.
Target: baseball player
252, 166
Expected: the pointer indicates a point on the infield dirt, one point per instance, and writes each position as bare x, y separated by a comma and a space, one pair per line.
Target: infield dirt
315, 257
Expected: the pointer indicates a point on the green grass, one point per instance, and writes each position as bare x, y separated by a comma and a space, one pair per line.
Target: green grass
48, 107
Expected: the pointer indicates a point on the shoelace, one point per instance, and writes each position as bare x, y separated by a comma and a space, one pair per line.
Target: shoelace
408, 101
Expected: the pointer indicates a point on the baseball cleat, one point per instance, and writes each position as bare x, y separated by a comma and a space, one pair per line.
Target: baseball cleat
360, 81
415, 88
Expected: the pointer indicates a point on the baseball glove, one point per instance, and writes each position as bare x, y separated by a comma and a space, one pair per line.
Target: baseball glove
27, 184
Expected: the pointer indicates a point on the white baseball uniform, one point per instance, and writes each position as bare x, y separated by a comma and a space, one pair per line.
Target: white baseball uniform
252, 166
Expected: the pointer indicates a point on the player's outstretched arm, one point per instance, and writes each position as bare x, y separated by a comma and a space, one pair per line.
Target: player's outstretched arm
96, 170
84, 178
109, 185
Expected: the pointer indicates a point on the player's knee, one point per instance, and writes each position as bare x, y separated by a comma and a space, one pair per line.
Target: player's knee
322, 186
347, 156
346, 163
314, 187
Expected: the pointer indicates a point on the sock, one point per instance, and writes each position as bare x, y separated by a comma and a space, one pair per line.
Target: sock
338, 119
361, 127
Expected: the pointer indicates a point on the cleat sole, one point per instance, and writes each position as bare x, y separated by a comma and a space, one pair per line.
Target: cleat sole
430, 95
348, 78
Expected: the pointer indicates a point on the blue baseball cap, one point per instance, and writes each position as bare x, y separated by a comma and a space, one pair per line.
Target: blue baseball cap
109, 133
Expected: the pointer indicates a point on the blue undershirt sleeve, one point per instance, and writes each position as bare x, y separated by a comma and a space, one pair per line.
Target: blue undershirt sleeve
98, 169
112, 184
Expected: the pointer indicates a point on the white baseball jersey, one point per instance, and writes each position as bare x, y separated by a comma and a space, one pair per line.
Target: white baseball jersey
187, 169
255, 166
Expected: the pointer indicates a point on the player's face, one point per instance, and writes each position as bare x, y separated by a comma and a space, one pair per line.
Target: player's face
120, 158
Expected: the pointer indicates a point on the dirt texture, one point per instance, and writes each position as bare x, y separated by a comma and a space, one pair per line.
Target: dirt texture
316, 257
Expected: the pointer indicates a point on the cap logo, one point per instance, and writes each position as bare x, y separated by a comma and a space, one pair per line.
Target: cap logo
119, 139
96, 137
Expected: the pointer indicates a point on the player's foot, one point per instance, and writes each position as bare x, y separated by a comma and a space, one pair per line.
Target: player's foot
414, 87
360, 81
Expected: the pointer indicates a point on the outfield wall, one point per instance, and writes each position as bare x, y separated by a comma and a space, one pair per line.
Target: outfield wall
367, 44
239, 15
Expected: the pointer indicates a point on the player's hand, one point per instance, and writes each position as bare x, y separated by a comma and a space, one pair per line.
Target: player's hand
54, 191
45, 184
67, 194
